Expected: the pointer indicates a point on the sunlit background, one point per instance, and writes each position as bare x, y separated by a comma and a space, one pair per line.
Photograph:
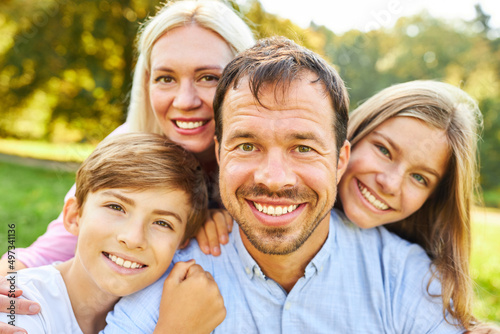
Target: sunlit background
65, 74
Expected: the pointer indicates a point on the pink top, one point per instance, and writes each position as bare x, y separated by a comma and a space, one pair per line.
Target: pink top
56, 244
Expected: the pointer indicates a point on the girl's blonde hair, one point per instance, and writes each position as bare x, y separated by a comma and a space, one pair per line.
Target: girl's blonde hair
442, 225
209, 14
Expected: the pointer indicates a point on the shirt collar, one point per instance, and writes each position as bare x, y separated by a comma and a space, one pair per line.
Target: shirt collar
314, 267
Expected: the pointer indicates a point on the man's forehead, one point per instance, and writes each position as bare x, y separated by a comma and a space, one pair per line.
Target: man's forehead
301, 93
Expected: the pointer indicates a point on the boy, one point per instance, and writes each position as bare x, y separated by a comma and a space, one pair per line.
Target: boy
139, 197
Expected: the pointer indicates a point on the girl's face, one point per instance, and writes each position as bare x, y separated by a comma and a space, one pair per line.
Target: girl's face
392, 171
186, 64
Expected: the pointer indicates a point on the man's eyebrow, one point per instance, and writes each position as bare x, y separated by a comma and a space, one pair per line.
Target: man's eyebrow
116, 194
168, 213
241, 134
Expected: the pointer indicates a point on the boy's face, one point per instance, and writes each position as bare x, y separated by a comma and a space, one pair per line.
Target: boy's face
127, 238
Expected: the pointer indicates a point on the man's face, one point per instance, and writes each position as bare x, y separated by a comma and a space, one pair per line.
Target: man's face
278, 164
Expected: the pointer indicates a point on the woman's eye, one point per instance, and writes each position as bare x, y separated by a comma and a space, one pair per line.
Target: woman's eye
209, 78
303, 149
420, 179
164, 79
163, 224
246, 147
116, 207
383, 150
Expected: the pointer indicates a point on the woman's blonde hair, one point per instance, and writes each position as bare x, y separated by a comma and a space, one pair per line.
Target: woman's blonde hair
442, 225
209, 14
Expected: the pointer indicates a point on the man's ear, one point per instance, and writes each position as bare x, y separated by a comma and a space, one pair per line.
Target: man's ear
343, 161
217, 147
71, 216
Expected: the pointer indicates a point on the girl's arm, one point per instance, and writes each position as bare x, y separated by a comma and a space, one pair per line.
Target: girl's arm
215, 232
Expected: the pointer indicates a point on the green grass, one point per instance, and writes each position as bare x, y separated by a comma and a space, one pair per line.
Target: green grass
48, 151
33, 197
30, 198
485, 267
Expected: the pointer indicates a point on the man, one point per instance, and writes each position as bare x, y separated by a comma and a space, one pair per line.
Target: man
294, 266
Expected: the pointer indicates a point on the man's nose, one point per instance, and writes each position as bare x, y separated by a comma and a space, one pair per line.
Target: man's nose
275, 172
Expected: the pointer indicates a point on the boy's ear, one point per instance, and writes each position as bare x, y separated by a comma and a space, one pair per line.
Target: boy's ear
71, 216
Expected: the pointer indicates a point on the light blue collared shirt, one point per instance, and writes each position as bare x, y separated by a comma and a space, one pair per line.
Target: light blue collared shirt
361, 281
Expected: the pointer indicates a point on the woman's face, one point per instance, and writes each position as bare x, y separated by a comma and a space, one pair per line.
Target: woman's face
186, 64
392, 171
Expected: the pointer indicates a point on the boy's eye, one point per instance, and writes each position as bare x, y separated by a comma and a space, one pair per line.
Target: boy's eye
116, 207
247, 147
303, 149
164, 224
383, 150
420, 179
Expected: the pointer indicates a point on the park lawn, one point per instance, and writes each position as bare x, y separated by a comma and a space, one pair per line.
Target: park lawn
32, 197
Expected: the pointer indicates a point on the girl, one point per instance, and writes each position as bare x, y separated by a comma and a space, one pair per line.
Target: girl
423, 189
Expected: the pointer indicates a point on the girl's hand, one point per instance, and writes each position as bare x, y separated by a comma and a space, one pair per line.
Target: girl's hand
191, 301
215, 231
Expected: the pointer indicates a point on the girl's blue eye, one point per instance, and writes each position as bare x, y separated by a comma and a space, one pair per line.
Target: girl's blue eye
247, 147
383, 150
420, 179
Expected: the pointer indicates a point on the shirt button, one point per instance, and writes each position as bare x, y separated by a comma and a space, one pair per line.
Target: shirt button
248, 270
288, 305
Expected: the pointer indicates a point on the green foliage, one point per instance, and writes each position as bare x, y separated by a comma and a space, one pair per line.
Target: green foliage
30, 199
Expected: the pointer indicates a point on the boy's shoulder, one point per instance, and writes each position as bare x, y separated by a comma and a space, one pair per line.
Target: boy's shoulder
46, 286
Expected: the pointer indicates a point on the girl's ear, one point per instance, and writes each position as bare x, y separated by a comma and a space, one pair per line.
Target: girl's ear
71, 216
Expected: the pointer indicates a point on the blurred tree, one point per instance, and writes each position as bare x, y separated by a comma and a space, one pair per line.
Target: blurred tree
66, 72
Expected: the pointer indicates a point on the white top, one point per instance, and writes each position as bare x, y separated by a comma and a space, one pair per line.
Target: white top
44, 285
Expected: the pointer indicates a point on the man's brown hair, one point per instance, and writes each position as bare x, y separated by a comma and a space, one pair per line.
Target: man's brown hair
279, 61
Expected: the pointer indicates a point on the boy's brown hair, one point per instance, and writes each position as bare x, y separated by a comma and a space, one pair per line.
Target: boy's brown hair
142, 161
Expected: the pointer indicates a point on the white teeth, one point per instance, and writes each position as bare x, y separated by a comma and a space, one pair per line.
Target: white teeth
274, 210
124, 263
188, 125
370, 198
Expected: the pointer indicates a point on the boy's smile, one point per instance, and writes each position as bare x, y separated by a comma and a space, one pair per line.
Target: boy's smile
127, 238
